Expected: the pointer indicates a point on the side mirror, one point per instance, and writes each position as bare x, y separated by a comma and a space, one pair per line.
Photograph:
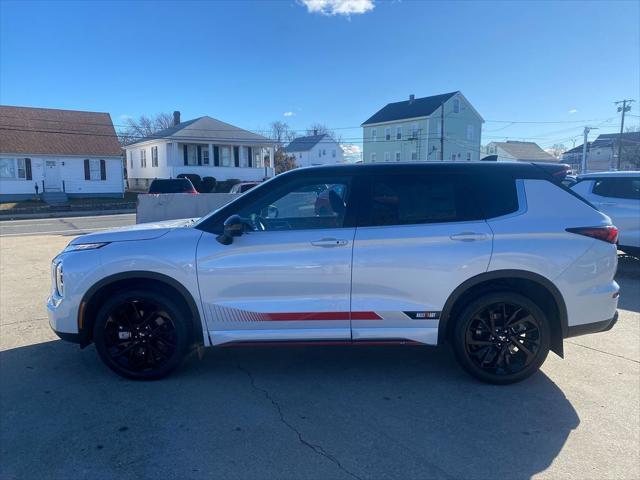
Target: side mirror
233, 227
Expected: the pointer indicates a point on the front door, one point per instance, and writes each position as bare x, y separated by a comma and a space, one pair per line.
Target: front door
288, 276
419, 238
51, 175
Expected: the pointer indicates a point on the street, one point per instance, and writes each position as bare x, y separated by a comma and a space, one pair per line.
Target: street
64, 226
319, 412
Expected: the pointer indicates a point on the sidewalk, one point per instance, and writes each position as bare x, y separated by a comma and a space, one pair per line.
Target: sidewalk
57, 213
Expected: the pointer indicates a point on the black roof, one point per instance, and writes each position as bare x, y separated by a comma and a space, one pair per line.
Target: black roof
420, 107
303, 144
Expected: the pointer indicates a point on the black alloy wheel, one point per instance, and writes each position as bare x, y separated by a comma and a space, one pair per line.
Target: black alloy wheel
502, 338
141, 335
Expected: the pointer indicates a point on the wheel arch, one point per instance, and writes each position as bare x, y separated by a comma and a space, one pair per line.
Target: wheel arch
537, 287
135, 279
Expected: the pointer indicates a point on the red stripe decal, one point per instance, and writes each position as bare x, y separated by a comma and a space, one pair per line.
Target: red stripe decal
310, 316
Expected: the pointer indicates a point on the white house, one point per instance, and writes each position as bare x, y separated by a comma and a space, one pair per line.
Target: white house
440, 127
63, 153
514, 151
315, 150
203, 146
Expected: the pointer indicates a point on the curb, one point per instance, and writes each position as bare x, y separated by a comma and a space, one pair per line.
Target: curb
64, 214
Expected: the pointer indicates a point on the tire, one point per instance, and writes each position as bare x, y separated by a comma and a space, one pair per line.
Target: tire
501, 337
140, 334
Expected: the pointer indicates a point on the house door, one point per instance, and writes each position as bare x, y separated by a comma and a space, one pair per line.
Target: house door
51, 175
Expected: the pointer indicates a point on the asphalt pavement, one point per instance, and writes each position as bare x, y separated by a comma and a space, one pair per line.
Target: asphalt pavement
64, 226
307, 413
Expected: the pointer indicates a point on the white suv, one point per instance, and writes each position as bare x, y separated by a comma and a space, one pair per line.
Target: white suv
496, 259
616, 194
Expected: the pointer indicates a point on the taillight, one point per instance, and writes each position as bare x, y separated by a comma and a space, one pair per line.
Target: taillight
607, 234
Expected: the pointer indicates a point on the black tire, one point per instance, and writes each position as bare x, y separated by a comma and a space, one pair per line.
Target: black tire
501, 337
140, 334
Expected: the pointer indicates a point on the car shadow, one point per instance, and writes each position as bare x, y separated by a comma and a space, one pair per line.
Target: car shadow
275, 412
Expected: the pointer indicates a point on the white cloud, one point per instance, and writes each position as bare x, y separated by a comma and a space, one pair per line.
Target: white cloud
288, 114
125, 117
338, 7
573, 110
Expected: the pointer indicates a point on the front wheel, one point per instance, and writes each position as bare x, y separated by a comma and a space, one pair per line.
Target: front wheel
141, 334
501, 337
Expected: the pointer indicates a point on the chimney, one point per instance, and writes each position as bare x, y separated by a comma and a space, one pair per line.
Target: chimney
412, 97
176, 118
315, 132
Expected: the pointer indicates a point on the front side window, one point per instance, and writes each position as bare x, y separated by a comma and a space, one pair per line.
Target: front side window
618, 187
420, 199
302, 205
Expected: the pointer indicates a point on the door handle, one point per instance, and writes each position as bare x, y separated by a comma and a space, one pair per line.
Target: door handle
468, 236
329, 242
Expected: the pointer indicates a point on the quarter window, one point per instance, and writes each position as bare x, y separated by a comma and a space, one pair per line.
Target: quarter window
419, 199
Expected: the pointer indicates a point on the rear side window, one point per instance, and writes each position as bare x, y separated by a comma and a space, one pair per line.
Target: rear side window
618, 187
420, 199
497, 194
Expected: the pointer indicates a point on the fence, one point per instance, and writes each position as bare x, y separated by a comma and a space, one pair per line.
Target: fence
171, 206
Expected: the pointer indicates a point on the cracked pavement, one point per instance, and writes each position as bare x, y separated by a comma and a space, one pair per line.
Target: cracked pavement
307, 413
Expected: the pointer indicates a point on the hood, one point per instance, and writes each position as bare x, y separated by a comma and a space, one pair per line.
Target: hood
141, 231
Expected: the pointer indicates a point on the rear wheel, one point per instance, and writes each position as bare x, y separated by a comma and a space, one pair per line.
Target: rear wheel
141, 334
501, 337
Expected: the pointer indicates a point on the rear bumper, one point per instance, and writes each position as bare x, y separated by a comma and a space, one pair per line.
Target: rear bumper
595, 327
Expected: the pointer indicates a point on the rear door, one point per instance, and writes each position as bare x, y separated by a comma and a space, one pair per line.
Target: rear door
419, 237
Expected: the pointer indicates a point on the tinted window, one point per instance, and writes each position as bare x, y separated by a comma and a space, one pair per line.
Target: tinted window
618, 187
418, 199
497, 194
180, 185
307, 204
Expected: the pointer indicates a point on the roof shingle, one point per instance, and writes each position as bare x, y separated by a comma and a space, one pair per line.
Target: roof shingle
419, 107
27, 130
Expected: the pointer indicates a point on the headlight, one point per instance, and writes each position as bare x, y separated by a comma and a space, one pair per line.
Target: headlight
84, 246
59, 279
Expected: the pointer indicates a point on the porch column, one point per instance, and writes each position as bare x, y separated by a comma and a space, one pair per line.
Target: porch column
210, 146
271, 158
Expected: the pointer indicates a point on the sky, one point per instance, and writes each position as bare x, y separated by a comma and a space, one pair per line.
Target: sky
559, 65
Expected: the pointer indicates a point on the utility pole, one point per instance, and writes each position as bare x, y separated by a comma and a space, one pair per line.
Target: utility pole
624, 108
442, 131
584, 148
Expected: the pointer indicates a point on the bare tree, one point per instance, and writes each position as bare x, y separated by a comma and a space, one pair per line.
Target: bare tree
144, 126
321, 128
557, 150
281, 134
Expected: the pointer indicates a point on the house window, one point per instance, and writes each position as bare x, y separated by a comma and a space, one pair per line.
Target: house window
244, 157
374, 134
324, 152
299, 155
143, 158
319, 153
154, 156
22, 168
469, 132
131, 159
399, 132
205, 155
414, 130
387, 133
398, 156
468, 156
333, 153
387, 156
373, 157
226, 156
15, 168
458, 156
94, 169
456, 105
414, 156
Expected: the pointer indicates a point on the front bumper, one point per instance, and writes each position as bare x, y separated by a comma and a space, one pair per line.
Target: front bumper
62, 320
595, 327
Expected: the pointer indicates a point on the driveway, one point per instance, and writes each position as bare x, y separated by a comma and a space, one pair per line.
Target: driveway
315, 412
